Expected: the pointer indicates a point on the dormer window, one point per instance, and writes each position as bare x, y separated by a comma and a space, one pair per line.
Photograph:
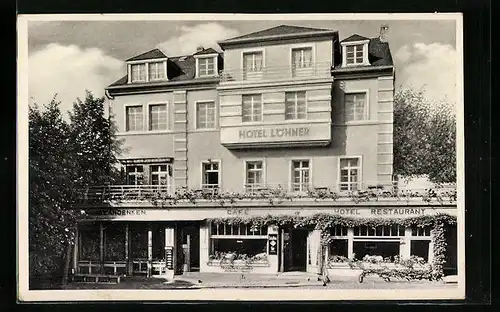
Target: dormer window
355, 51
157, 71
354, 54
206, 66
138, 72
206, 62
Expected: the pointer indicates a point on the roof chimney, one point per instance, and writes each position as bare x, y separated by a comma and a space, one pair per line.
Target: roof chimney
199, 48
384, 29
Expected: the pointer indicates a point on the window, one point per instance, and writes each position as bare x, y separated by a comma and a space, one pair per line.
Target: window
254, 175
354, 54
295, 105
205, 115
339, 244
253, 62
159, 174
252, 107
240, 239
378, 241
138, 72
302, 58
380, 231
355, 107
206, 66
300, 175
156, 71
349, 174
134, 118
421, 231
420, 248
210, 179
135, 175
158, 117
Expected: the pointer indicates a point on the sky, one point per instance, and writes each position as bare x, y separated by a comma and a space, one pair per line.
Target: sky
68, 57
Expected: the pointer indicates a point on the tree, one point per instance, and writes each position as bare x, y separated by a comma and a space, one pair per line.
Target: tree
94, 142
64, 159
424, 137
52, 190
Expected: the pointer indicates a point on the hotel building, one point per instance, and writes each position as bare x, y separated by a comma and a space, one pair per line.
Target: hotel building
272, 126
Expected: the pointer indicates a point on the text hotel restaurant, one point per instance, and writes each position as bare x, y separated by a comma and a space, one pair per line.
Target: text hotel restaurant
288, 110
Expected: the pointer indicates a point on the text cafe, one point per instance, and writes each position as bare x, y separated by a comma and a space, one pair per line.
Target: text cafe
153, 241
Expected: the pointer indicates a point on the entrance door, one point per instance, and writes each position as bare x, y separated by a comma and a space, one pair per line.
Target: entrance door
189, 248
298, 251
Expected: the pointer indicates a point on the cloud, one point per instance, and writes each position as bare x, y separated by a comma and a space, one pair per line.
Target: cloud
69, 71
190, 38
431, 67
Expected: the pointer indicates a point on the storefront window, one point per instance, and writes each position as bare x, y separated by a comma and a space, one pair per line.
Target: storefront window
386, 249
338, 247
89, 243
383, 240
114, 248
243, 240
420, 248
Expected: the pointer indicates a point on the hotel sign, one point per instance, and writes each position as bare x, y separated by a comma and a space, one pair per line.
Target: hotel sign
306, 134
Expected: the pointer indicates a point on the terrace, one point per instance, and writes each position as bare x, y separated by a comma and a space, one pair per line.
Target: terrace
344, 193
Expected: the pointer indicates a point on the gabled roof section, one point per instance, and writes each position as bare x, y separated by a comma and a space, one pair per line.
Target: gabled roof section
206, 51
152, 54
355, 37
278, 32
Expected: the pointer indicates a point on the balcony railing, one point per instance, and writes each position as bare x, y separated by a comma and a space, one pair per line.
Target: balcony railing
124, 193
273, 73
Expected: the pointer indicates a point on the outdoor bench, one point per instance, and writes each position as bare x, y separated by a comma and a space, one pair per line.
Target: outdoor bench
97, 278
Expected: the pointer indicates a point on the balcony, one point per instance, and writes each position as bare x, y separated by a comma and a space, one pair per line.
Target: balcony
282, 193
320, 70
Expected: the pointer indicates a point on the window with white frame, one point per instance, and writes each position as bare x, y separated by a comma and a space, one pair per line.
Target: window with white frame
135, 174
240, 240
158, 117
382, 240
355, 107
138, 72
339, 243
350, 174
210, 175
254, 175
252, 107
206, 66
420, 242
134, 118
295, 105
302, 58
156, 71
354, 54
300, 175
205, 115
159, 174
253, 62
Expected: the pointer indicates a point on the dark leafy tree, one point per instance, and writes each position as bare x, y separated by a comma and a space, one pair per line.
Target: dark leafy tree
52, 190
94, 142
424, 137
64, 158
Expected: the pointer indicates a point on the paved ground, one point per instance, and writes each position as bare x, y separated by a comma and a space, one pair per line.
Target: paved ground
235, 280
